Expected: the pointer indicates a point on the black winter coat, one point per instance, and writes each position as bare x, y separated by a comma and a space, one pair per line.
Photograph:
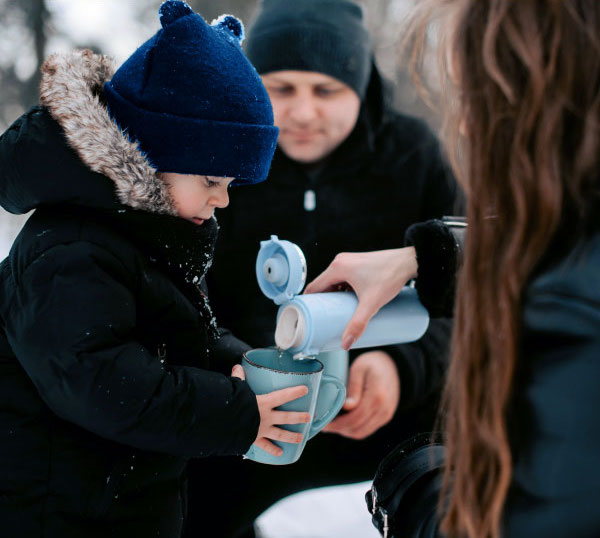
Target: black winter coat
387, 175
553, 419
105, 335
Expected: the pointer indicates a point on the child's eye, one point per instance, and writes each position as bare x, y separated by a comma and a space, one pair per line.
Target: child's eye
211, 183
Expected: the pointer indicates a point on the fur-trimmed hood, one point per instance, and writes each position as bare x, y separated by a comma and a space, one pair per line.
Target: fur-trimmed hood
71, 94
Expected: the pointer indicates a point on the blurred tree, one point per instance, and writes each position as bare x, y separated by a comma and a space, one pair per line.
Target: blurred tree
23, 43
22, 47
242, 9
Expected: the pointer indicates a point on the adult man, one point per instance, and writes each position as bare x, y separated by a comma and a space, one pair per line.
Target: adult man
350, 174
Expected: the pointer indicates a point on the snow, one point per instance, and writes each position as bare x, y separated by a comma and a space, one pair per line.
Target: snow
10, 225
320, 513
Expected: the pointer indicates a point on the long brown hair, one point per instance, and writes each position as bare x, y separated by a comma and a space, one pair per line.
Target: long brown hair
521, 82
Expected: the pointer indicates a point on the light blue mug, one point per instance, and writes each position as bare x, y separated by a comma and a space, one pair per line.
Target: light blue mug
268, 370
335, 364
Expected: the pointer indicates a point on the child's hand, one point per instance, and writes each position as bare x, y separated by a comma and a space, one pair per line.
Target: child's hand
270, 417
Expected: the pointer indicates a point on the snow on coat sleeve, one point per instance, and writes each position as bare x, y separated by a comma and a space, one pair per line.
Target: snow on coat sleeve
72, 327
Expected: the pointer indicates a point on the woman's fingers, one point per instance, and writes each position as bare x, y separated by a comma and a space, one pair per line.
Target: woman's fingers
328, 280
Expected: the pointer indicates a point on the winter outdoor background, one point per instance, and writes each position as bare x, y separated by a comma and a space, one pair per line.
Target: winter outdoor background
32, 29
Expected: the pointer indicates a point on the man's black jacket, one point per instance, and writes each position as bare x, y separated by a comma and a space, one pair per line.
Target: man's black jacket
387, 175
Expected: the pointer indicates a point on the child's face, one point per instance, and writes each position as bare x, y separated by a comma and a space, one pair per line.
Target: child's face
196, 197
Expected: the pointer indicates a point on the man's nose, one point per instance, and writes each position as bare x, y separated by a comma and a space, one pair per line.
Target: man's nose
303, 109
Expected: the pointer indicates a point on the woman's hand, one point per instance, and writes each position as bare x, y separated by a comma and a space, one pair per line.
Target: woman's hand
270, 418
376, 278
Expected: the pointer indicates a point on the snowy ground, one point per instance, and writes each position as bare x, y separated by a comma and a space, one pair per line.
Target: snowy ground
333, 512
9, 228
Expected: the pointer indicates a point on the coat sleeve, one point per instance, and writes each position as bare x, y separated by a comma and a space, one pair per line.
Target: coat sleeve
439, 246
227, 351
72, 327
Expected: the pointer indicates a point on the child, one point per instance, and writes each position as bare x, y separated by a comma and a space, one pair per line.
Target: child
106, 333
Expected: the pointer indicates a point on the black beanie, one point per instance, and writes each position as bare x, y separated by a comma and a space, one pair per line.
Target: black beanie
326, 36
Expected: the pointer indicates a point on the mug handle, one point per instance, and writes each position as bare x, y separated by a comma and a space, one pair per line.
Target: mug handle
335, 408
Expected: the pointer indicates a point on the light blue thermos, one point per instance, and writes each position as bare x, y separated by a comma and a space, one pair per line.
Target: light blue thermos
310, 324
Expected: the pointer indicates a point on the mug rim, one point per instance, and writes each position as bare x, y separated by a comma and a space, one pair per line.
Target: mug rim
245, 356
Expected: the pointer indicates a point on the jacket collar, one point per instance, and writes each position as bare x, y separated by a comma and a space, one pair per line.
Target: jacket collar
71, 89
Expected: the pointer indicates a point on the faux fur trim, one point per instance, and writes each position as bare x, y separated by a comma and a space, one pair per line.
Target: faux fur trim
70, 88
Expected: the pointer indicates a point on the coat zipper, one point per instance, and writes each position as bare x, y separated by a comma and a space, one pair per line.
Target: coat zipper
162, 352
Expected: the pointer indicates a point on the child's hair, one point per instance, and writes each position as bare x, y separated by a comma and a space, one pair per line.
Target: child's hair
521, 87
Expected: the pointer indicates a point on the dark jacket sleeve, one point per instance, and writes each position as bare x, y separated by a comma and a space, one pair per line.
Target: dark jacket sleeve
439, 246
228, 351
72, 327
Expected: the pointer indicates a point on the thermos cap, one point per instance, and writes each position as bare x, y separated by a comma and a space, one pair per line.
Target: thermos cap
280, 269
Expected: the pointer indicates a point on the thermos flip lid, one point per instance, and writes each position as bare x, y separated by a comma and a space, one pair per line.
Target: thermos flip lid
280, 269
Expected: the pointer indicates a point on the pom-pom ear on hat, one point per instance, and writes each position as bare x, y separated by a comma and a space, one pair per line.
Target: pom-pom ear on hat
231, 25
172, 10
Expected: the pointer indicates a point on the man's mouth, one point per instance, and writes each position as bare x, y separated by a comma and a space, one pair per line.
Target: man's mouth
302, 135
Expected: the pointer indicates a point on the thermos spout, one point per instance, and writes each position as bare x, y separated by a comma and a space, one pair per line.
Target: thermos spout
291, 327
276, 270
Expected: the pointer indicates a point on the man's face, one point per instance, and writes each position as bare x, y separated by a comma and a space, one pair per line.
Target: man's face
315, 113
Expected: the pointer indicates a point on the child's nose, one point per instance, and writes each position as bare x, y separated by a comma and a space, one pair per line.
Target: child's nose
221, 200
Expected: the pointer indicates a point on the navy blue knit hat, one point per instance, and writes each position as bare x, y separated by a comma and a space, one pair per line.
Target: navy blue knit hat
326, 36
193, 101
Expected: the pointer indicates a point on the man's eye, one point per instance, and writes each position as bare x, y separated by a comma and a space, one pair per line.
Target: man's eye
325, 92
282, 90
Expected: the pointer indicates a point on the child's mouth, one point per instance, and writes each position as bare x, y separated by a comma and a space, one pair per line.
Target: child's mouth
198, 221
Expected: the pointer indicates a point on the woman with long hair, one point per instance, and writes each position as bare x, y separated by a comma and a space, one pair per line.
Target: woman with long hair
521, 80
